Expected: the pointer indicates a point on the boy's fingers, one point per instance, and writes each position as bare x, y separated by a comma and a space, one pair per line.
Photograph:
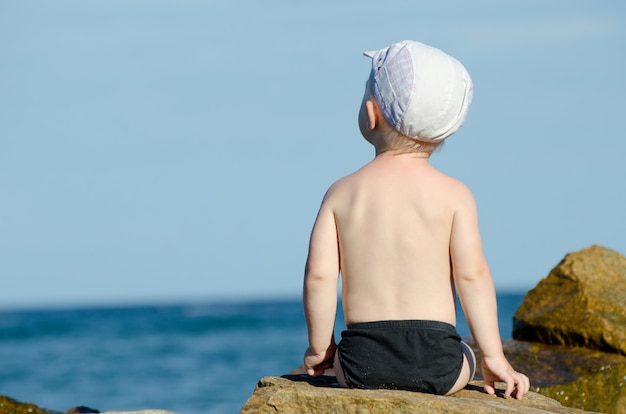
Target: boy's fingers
319, 369
510, 387
489, 388
523, 386
518, 385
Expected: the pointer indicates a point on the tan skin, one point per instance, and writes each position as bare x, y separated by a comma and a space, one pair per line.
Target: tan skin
400, 217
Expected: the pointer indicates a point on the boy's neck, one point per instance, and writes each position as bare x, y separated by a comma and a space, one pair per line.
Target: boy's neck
390, 152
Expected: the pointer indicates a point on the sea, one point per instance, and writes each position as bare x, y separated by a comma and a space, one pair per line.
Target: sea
191, 358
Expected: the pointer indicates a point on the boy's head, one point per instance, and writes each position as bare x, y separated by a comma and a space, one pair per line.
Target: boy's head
423, 93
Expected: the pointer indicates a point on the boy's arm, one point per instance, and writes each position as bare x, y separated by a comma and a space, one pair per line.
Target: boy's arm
320, 292
477, 295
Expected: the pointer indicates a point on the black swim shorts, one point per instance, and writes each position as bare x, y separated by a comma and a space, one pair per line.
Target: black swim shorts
414, 355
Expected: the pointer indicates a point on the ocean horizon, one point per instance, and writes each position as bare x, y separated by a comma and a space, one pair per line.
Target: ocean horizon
189, 357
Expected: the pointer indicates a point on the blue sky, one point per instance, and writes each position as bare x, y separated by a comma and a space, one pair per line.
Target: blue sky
165, 151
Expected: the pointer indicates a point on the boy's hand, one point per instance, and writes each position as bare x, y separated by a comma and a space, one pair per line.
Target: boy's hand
316, 364
499, 369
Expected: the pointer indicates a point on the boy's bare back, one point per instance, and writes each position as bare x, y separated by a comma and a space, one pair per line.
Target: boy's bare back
405, 239
394, 220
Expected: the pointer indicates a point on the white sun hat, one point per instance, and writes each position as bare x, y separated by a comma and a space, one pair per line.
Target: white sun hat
422, 92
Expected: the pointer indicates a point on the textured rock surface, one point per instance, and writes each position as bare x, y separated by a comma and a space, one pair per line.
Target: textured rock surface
582, 302
576, 377
11, 406
299, 394
140, 412
81, 409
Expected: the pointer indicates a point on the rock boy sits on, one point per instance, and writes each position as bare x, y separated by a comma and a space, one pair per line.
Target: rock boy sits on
404, 237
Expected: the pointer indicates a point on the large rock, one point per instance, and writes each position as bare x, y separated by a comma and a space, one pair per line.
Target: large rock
582, 302
148, 411
576, 377
11, 406
300, 394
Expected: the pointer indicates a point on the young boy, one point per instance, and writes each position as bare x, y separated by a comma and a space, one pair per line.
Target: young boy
404, 238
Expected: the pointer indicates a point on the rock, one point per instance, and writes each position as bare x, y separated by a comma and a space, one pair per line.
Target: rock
82, 410
582, 302
11, 406
301, 394
574, 376
140, 412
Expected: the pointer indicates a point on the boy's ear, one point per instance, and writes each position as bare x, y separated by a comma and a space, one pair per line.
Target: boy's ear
372, 114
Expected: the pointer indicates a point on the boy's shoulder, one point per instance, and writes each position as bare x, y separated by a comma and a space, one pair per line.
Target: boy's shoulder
452, 188
342, 184
347, 184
